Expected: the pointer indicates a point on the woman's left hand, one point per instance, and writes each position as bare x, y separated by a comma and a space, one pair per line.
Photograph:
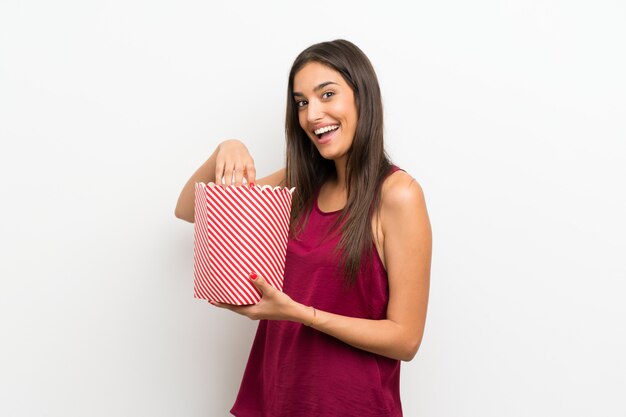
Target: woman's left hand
274, 304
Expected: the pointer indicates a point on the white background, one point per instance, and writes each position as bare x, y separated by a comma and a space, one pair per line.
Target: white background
510, 114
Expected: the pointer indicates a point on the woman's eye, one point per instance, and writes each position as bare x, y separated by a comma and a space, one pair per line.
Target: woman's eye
328, 94
301, 103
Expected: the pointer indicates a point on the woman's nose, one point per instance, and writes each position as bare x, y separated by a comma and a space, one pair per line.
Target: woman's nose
314, 111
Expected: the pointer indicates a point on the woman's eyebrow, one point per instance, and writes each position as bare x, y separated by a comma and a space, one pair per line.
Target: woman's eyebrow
319, 87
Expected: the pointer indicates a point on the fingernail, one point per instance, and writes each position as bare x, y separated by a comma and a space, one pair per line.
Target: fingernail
251, 184
252, 276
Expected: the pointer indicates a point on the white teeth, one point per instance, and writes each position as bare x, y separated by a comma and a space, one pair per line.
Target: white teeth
325, 129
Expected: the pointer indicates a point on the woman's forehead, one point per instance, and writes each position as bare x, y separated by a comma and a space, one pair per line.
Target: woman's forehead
314, 74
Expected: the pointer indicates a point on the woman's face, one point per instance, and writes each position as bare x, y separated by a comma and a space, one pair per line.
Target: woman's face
326, 109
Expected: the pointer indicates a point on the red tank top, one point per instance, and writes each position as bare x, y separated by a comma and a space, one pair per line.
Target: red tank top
296, 371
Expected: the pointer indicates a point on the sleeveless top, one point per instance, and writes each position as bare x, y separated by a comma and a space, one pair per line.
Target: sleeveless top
297, 371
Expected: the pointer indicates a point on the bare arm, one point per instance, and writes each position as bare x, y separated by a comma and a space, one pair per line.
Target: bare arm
230, 163
407, 250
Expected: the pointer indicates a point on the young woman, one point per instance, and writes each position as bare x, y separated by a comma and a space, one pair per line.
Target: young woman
357, 271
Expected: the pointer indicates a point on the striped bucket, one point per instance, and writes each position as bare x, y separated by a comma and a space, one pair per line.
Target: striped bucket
238, 230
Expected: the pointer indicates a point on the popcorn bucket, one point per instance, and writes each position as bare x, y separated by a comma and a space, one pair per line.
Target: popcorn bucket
238, 230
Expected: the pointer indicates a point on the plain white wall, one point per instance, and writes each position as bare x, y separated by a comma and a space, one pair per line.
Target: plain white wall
511, 114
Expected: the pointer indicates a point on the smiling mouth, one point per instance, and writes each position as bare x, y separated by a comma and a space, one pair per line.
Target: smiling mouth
325, 131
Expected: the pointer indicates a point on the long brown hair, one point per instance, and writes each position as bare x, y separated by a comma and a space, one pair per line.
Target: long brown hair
367, 162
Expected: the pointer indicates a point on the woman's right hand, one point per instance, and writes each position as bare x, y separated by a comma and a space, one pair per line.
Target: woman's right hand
233, 163
229, 164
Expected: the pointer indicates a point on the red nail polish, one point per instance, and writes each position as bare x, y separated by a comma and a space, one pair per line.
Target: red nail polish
252, 276
251, 184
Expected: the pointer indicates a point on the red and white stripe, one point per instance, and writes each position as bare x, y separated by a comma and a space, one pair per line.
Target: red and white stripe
239, 230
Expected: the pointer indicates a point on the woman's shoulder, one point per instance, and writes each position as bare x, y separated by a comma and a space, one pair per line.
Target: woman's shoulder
400, 192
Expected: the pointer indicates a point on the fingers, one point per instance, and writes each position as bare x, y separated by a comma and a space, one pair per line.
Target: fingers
231, 307
224, 172
238, 174
224, 169
219, 170
250, 172
224, 306
273, 305
234, 174
233, 164
249, 311
260, 284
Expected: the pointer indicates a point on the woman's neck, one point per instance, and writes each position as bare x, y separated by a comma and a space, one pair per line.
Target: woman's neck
340, 169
